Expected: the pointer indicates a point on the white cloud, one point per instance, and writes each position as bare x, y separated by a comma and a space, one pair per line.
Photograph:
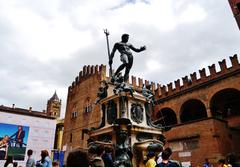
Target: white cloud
45, 43
193, 13
45, 38
153, 65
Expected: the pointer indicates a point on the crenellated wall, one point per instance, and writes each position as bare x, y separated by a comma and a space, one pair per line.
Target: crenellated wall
202, 88
89, 71
137, 83
86, 72
189, 82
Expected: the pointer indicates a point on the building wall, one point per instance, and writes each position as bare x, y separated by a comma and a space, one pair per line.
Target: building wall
41, 132
202, 88
59, 134
193, 142
203, 94
235, 6
216, 138
81, 112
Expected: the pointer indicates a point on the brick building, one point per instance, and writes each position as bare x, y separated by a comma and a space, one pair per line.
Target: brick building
235, 6
81, 112
204, 112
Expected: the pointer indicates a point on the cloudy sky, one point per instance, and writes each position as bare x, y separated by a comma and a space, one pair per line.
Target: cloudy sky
45, 43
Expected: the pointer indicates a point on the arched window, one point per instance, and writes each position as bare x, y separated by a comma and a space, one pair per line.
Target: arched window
225, 103
166, 117
192, 110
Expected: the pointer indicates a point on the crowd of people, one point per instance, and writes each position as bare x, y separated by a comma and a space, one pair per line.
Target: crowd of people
163, 159
229, 161
101, 156
95, 157
45, 161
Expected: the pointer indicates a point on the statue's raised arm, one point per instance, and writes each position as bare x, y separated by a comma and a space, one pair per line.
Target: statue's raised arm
126, 56
142, 48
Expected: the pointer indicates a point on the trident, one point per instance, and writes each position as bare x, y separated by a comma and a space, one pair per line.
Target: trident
108, 50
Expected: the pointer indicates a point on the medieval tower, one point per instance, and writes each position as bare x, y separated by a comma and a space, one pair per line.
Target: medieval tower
54, 106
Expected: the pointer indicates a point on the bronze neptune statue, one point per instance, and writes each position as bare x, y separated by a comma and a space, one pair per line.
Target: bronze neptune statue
125, 55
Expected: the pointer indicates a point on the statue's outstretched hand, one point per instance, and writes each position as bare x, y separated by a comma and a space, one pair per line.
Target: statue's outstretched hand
142, 48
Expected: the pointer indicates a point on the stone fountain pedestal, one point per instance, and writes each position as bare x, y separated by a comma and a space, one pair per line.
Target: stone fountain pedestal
125, 126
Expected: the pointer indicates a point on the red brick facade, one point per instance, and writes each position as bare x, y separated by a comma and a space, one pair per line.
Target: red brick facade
235, 6
207, 114
81, 112
204, 112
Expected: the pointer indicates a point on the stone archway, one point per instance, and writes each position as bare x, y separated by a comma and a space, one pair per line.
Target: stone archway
225, 103
191, 110
166, 117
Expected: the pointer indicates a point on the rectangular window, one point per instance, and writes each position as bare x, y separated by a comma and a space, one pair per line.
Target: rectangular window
82, 136
190, 144
70, 138
88, 109
74, 114
176, 146
183, 145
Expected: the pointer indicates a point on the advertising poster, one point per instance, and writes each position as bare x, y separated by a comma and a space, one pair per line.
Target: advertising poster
13, 141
